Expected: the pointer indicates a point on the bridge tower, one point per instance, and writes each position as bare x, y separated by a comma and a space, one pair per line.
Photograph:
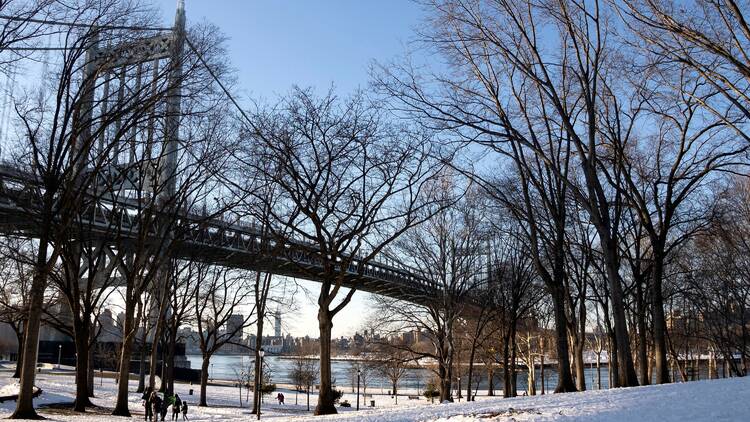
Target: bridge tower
174, 100
142, 67
140, 159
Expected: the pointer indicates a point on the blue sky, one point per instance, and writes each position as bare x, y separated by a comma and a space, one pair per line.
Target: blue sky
275, 44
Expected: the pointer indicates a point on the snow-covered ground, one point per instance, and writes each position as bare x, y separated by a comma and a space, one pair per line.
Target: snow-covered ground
717, 400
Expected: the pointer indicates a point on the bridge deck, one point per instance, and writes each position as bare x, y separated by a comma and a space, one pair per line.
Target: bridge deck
212, 241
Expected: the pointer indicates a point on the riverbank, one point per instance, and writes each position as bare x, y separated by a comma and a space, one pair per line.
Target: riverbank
227, 368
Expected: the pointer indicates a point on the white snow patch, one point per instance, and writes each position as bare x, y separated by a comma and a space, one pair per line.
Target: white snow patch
714, 401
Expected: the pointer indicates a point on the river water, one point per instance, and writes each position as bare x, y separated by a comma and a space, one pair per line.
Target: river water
226, 367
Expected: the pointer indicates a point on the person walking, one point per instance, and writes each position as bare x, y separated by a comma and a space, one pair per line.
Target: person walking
184, 411
164, 408
155, 405
176, 406
280, 397
147, 404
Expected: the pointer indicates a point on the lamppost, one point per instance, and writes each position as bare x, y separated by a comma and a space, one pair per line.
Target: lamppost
59, 355
258, 388
459, 389
358, 373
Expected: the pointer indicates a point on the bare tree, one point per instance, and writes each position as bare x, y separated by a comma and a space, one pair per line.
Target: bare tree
22, 28
16, 261
221, 296
144, 326
243, 378
598, 345
580, 254
715, 282
710, 38
84, 283
394, 368
514, 284
304, 372
529, 352
636, 256
259, 211
181, 312
447, 252
479, 329
348, 183
58, 146
362, 370
555, 92
669, 173
538, 214
174, 178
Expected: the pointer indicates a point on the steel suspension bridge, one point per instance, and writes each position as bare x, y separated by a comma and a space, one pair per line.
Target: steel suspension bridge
199, 237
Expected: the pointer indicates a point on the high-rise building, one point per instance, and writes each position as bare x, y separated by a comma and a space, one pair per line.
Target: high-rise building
277, 324
234, 326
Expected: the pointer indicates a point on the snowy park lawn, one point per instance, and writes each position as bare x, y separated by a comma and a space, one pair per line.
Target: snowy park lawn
717, 400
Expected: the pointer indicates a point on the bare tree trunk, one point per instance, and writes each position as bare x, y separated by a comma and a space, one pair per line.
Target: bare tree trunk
642, 346
581, 342
579, 364
128, 337
204, 379
626, 370
712, 371
158, 329
449, 355
445, 382
470, 375
91, 369
25, 402
530, 367
598, 371
507, 379
660, 328
82, 365
20, 337
541, 365
513, 360
258, 380
564, 378
490, 382
325, 404
169, 361
142, 362
612, 364
650, 366
444, 367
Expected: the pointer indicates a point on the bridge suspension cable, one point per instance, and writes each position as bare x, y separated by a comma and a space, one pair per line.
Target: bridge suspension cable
219, 82
84, 25
10, 82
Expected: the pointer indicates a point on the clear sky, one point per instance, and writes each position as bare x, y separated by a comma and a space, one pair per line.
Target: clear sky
275, 44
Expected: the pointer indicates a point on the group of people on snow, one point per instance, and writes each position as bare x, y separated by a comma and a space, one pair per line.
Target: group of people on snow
155, 406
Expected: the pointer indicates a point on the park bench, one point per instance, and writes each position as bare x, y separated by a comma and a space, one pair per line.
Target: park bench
413, 397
